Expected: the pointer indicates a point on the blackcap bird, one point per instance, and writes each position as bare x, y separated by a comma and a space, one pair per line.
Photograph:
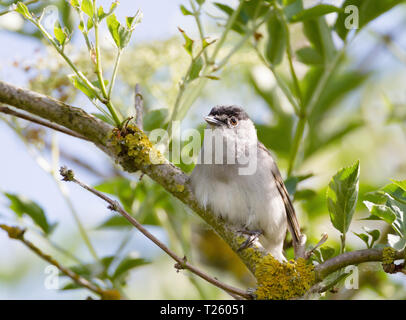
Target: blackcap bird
238, 179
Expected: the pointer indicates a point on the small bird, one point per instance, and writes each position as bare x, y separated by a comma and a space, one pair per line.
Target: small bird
255, 201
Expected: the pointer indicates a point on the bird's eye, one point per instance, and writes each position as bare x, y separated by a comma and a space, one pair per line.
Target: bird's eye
233, 121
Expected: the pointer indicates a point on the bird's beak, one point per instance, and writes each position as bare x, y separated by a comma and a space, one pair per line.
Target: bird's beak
212, 121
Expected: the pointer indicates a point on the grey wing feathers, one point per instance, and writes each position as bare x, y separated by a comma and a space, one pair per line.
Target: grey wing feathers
293, 223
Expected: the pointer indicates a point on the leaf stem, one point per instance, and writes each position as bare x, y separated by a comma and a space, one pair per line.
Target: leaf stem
10, 9
281, 83
196, 15
66, 58
343, 242
228, 27
81, 76
296, 143
99, 69
243, 40
113, 76
290, 59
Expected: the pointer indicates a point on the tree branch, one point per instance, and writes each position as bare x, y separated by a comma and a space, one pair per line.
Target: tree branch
100, 133
181, 262
41, 122
56, 111
18, 234
351, 258
139, 107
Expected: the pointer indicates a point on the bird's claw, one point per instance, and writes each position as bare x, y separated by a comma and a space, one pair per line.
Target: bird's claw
253, 235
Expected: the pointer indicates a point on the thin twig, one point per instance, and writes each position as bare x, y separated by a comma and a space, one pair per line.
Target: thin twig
18, 234
351, 258
81, 163
41, 122
11, 8
68, 175
196, 15
323, 239
139, 107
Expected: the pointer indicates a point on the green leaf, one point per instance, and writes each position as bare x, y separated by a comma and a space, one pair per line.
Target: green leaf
327, 252
113, 25
78, 84
96, 83
120, 187
292, 182
134, 20
206, 43
122, 35
342, 196
197, 66
71, 286
396, 242
89, 24
240, 21
309, 55
93, 270
127, 264
381, 211
375, 234
23, 10
81, 26
401, 184
60, 35
87, 7
188, 42
320, 36
314, 12
23, 206
100, 13
185, 11
364, 237
368, 10
200, 1
394, 191
277, 39
114, 222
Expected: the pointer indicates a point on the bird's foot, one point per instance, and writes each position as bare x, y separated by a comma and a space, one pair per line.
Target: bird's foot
253, 236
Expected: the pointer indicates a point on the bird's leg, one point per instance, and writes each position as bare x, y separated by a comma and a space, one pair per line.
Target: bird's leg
253, 236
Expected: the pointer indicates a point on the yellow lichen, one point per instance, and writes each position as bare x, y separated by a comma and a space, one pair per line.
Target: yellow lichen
179, 188
282, 280
134, 148
388, 255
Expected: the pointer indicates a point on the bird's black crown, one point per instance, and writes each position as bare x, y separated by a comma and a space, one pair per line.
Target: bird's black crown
228, 111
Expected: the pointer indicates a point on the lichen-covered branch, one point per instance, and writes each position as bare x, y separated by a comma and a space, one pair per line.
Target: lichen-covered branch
131, 149
41, 122
354, 258
56, 111
18, 234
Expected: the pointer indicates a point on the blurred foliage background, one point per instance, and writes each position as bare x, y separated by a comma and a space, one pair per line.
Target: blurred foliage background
358, 114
